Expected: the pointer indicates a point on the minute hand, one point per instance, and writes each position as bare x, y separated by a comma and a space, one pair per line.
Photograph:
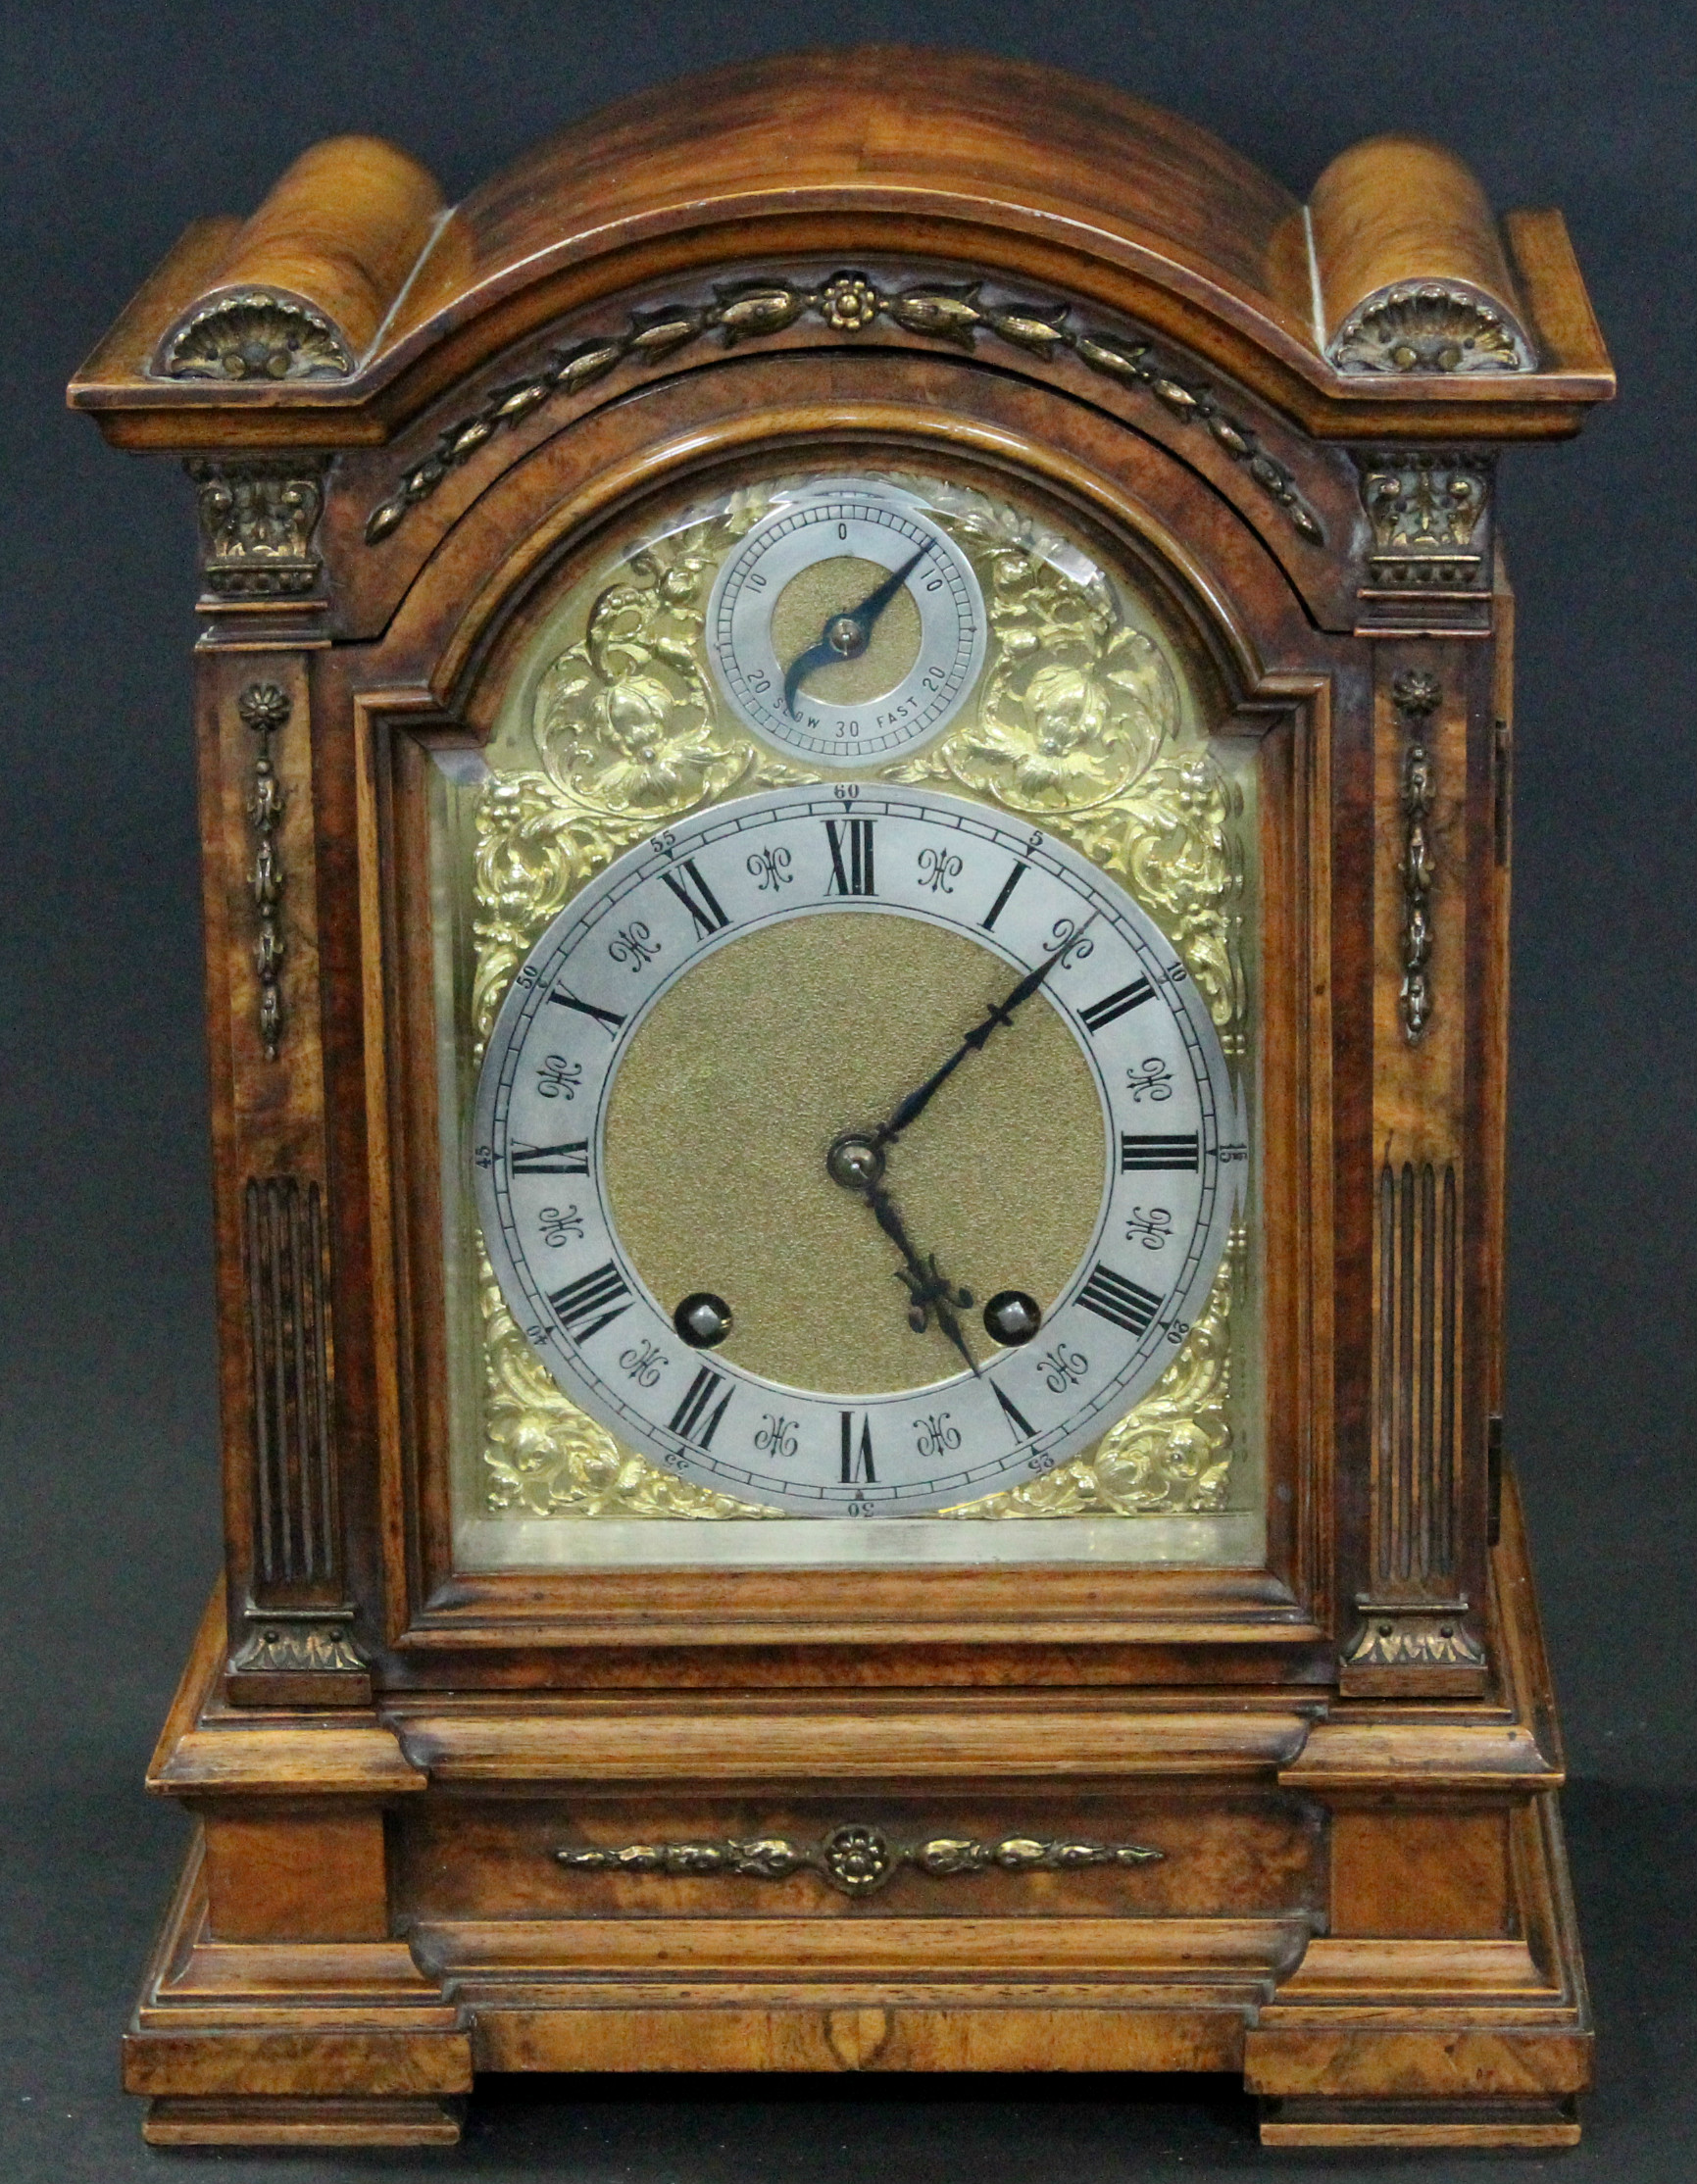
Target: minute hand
998, 1012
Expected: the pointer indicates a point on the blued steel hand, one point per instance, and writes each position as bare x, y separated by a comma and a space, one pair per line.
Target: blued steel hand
998, 1012
859, 1166
846, 635
928, 1291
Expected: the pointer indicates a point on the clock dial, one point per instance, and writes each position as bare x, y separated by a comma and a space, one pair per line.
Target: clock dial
865, 1207
848, 625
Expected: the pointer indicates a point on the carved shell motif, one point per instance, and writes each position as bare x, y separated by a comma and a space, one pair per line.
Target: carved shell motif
1429, 326
255, 336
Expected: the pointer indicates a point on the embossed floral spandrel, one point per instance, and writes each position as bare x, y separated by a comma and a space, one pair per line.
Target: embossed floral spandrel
533, 851
626, 735
1077, 703
1178, 850
1080, 727
543, 1457
1170, 1455
624, 723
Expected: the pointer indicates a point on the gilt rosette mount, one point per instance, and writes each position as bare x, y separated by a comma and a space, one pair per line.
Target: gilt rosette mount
857, 1859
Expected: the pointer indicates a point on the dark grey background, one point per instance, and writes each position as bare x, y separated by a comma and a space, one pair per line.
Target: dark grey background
122, 122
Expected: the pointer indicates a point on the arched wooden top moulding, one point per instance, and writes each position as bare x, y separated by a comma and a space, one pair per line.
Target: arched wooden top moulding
1392, 303
1235, 602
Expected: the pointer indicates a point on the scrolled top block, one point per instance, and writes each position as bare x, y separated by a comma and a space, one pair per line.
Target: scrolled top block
352, 299
1410, 271
312, 275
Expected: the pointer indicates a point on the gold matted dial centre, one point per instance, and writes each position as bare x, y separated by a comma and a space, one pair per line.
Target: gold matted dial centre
838, 586
734, 1088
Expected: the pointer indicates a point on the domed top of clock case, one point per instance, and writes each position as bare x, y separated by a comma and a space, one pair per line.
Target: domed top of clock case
1392, 302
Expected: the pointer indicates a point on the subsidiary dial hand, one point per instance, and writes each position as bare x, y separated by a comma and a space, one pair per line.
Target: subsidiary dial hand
998, 1012
846, 635
859, 1166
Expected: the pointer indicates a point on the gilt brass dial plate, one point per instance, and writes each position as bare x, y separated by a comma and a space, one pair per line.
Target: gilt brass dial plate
1087, 724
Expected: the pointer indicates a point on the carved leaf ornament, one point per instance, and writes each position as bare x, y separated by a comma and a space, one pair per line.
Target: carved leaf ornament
1079, 728
849, 302
857, 1859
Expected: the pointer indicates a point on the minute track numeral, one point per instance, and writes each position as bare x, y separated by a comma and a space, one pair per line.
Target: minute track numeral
697, 898
692, 1420
1015, 1417
610, 1017
571, 1159
1114, 1005
1110, 1296
1179, 1151
856, 1451
851, 857
581, 1307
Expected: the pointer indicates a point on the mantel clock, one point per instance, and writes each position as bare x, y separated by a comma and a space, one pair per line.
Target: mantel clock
856, 820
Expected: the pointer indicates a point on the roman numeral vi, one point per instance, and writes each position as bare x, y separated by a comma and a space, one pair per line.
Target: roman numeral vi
857, 1462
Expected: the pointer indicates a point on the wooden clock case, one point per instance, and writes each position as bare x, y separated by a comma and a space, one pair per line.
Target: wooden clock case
400, 419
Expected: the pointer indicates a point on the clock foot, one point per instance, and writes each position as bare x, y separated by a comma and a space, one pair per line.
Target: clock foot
1479, 2123
403, 2120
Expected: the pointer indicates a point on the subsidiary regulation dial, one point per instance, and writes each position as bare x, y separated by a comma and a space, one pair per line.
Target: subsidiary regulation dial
848, 625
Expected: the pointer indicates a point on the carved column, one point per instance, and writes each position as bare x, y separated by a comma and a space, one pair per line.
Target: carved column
1427, 592
1417, 1625
290, 1617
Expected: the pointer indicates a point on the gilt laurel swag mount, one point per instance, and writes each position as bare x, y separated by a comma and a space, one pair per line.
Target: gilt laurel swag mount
856, 822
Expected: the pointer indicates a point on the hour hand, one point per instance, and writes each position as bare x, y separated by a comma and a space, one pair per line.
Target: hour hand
859, 1166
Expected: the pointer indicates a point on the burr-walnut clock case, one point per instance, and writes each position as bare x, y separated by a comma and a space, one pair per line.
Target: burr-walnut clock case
822, 563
